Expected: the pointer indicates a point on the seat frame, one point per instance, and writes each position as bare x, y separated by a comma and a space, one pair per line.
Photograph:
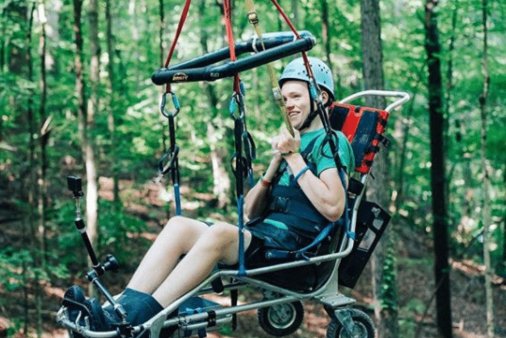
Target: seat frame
328, 294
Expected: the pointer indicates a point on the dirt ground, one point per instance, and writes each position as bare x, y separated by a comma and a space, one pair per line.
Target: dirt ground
415, 285
414, 289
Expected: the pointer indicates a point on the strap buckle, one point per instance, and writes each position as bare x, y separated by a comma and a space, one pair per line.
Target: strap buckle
166, 163
280, 204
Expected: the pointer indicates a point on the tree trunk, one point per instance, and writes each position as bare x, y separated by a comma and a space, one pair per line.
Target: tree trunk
221, 180
112, 104
32, 189
43, 137
383, 260
440, 225
93, 108
161, 31
79, 70
133, 12
327, 44
460, 124
402, 131
485, 209
447, 103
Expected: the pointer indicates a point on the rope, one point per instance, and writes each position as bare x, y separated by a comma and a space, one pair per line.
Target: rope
173, 165
239, 129
276, 90
182, 20
315, 90
231, 43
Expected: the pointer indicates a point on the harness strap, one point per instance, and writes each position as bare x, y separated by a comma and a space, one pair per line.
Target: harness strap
285, 205
314, 89
302, 253
227, 8
180, 25
173, 151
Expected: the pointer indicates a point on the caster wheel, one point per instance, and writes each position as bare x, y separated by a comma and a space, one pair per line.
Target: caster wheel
363, 326
282, 319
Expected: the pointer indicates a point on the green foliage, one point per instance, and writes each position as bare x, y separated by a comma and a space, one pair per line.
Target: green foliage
408, 321
140, 134
14, 272
389, 299
115, 225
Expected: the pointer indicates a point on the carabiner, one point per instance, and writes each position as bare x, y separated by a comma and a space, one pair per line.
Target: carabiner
236, 102
175, 103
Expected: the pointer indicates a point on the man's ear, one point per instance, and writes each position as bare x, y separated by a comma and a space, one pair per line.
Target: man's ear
325, 97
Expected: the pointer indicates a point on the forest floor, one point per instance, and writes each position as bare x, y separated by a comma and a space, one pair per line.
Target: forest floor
415, 285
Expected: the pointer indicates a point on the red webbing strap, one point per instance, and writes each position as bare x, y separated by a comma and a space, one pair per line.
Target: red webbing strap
285, 17
180, 25
368, 159
227, 9
294, 30
351, 123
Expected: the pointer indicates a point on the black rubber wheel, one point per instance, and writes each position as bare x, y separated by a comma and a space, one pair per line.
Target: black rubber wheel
364, 327
282, 319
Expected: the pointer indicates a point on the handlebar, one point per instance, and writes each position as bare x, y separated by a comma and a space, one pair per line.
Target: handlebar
199, 69
403, 97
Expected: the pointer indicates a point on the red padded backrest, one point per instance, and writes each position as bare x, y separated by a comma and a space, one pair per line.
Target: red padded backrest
364, 128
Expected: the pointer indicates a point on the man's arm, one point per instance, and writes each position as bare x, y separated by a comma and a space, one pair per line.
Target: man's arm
326, 192
256, 199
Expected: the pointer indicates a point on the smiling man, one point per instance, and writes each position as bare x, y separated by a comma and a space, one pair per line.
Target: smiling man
302, 170
299, 194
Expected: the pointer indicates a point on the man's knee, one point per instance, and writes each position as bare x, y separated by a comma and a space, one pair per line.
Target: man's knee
175, 221
221, 233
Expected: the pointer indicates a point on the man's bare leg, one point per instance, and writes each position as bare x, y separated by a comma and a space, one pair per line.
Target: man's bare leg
177, 238
218, 244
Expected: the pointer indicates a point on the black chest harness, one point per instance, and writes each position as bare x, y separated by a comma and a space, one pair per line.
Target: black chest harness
289, 205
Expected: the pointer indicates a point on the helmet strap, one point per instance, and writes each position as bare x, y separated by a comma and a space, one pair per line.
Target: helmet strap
312, 114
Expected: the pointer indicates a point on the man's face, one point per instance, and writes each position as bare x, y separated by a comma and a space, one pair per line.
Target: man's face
296, 96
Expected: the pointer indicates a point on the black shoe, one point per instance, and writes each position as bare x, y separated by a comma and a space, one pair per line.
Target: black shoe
74, 300
140, 307
79, 308
98, 321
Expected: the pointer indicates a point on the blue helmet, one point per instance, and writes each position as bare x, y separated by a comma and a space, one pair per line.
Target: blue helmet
296, 70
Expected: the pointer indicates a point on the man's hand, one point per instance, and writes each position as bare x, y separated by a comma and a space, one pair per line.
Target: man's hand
285, 143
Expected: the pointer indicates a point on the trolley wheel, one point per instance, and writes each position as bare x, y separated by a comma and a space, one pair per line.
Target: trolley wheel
281, 319
364, 327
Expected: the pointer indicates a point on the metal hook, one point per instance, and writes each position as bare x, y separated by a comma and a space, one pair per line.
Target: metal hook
175, 102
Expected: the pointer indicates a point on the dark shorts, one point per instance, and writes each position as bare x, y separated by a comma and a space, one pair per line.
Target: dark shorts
264, 237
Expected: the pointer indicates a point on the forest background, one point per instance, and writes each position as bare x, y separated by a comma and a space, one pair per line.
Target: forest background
76, 98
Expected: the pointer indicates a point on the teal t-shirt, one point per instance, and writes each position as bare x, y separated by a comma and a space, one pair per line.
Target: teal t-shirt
322, 158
